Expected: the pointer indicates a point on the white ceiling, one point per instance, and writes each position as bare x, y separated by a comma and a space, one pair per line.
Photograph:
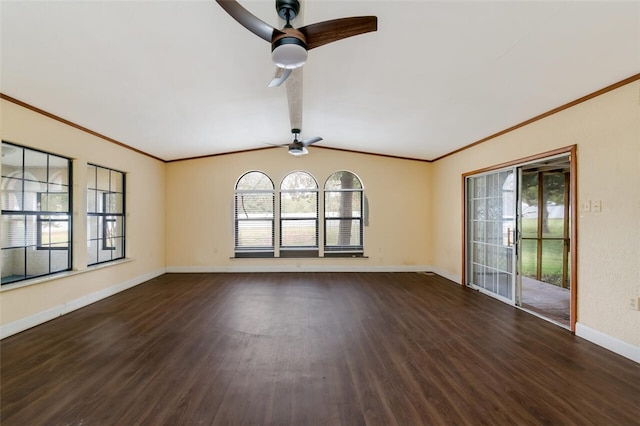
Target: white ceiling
179, 79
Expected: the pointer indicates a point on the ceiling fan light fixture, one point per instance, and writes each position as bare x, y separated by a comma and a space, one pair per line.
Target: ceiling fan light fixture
289, 53
298, 151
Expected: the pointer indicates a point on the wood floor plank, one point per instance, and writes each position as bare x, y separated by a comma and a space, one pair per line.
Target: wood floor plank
309, 349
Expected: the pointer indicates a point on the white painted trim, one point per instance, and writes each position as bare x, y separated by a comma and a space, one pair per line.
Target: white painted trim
618, 346
296, 268
22, 324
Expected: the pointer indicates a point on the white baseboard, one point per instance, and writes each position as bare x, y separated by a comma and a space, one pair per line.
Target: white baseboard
618, 346
22, 324
296, 268
455, 278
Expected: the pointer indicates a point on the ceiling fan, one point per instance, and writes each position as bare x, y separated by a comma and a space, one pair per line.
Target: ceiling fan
298, 148
289, 46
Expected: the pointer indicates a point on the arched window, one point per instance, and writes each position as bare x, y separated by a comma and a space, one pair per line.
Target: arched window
343, 215
254, 218
298, 215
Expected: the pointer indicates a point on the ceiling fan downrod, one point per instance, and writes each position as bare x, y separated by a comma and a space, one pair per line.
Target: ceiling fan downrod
288, 10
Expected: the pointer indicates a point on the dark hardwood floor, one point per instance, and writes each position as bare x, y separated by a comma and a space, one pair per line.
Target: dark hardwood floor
310, 349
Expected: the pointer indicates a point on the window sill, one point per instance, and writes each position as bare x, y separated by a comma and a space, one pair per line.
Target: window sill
60, 275
342, 256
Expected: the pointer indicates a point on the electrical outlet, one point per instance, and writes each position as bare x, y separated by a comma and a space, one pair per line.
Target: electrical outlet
596, 206
634, 303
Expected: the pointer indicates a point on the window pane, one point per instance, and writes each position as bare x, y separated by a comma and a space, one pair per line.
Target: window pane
342, 232
59, 257
109, 232
91, 177
343, 180
479, 209
92, 228
13, 264
103, 181
494, 208
254, 181
54, 202
479, 251
504, 284
117, 181
254, 205
105, 255
31, 233
13, 231
298, 233
298, 181
100, 199
92, 252
37, 261
343, 204
58, 170
54, 231
478, 231
118, 245
92, 206
479, 187
299, 204
478, 274
117, 226
113, 203
11, 160
11, 193
493, 185
31, 192
35, 166
255, 233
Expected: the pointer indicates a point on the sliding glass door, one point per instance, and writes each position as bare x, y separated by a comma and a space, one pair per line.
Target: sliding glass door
518, 235
491, 233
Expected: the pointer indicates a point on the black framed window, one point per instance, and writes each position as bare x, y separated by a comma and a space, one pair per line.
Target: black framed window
298, 215
343, 215
36, 213
105, 214
254, 218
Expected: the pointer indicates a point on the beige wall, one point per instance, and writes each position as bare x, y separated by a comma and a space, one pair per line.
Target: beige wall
180, 214
606, 131
200, 209
144, 215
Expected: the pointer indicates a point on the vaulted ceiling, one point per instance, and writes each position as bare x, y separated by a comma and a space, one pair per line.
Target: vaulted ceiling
179, 79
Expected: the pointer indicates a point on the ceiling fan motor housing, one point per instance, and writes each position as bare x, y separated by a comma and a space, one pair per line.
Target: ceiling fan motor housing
288, 36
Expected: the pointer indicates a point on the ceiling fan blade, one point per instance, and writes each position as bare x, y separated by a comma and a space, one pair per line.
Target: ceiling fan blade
280, 76
248, 20
336, 29
309, 141
294, 99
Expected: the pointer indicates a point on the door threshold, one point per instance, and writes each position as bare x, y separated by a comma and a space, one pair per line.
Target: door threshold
541, 316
